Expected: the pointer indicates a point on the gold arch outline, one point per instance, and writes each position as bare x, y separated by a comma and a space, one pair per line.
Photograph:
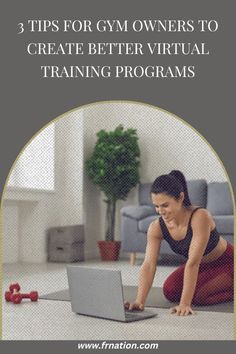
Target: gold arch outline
93, 104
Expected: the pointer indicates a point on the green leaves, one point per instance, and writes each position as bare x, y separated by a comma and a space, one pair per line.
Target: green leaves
114, 168
114, 163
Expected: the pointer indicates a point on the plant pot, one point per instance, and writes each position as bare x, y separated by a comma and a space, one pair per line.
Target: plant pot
109, 250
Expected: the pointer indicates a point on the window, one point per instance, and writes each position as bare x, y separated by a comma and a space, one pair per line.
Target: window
34, 168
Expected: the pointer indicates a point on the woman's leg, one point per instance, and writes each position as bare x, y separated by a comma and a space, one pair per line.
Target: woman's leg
224, 296
173, 285
215, 280
214, 286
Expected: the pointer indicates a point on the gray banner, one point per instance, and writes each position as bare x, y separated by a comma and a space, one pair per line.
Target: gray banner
30, 101
60, 347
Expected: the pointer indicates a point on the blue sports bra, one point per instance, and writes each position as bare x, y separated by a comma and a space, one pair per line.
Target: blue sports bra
182, 246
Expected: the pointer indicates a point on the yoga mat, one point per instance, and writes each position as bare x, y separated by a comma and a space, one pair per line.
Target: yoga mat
155, 299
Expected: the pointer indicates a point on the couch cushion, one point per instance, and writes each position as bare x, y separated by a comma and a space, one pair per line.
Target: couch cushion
137, 212
197, 190
224, 224
144, 194
229, 238
219, 199
144, 223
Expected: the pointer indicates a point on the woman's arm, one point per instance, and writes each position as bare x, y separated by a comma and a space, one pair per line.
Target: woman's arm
201, 226
148, 268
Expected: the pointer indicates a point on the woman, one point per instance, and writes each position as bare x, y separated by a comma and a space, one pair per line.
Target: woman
207, 276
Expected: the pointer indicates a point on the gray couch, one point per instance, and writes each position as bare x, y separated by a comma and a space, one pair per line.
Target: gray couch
135, 219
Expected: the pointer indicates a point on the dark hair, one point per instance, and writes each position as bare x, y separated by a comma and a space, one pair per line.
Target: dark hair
172, 184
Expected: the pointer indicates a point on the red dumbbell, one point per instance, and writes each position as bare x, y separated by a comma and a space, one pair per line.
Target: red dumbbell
8, 296
13, 288
17, 297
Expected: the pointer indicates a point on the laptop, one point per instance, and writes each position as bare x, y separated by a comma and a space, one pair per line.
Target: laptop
99, 293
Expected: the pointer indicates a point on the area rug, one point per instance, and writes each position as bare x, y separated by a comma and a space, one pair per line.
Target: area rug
155, 299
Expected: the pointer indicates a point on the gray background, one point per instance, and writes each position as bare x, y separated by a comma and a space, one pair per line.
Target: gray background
30, 101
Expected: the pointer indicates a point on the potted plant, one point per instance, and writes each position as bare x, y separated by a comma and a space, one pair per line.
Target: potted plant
114, 168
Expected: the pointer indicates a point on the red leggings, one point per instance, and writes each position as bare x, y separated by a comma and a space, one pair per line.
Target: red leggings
215, 283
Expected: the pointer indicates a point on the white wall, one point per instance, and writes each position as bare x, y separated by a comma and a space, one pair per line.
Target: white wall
10, 232
27, 214
69, 169
166, 143
93, 216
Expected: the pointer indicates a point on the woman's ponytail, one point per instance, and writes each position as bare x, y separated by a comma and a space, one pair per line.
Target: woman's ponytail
180, 178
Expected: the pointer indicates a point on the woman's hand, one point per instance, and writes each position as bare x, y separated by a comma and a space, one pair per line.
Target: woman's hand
135, 305
182, 310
